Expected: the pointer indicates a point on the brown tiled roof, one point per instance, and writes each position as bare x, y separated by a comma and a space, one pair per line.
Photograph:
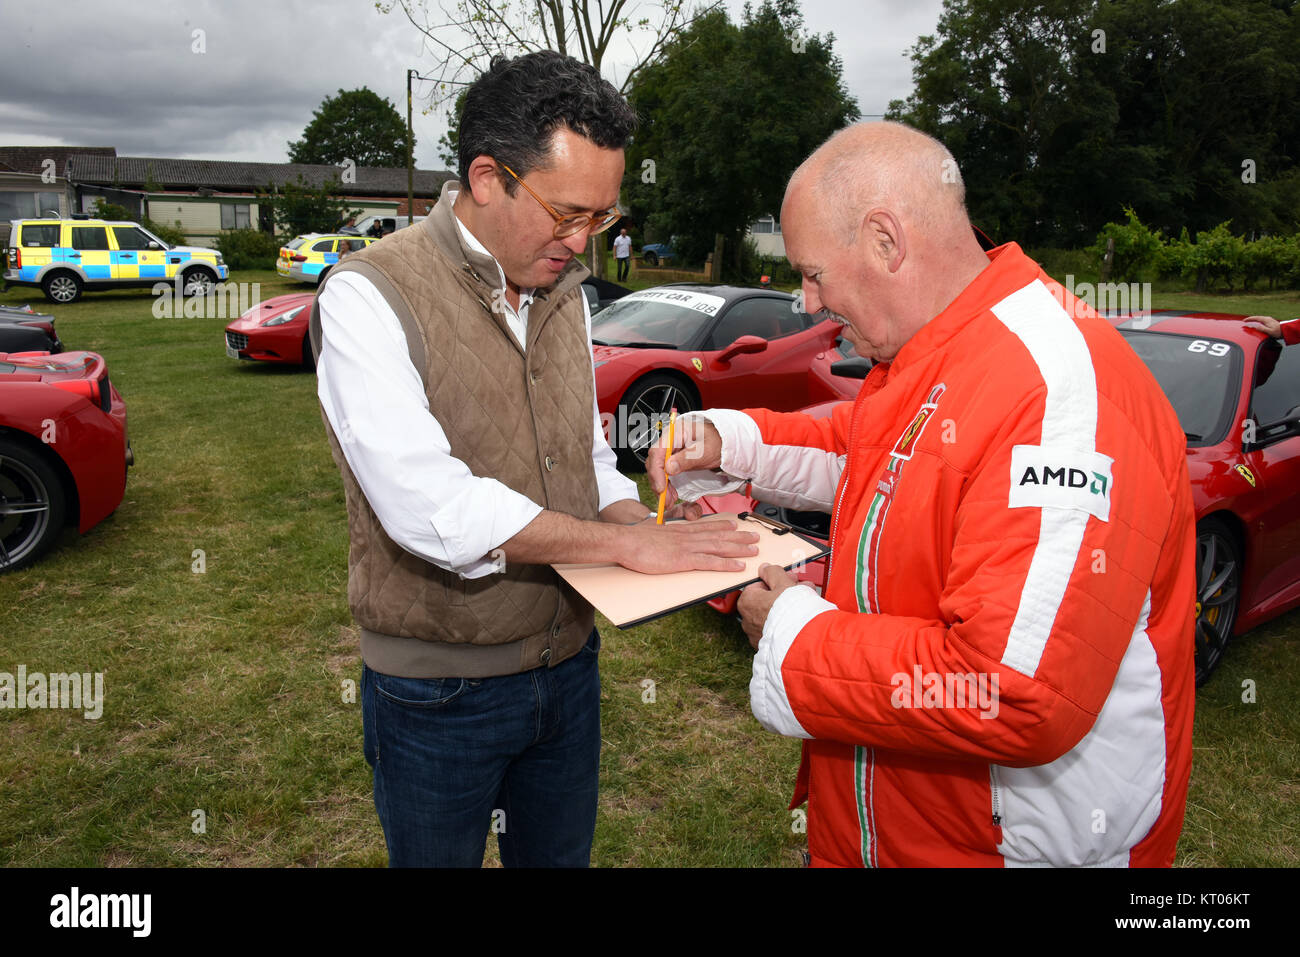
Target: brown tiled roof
228, 176
31, 159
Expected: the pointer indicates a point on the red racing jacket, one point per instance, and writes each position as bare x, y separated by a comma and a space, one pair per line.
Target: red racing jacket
1001, 669
1291, 332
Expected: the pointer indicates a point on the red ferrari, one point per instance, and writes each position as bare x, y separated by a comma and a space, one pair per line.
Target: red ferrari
1237, 394
273, 331
694, 346
63, 449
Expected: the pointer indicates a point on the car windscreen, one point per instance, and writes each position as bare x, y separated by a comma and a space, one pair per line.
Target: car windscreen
1200, 377
295, 243
669, 318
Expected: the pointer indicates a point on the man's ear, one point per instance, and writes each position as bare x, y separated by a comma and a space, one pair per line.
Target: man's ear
882, 235
484, 180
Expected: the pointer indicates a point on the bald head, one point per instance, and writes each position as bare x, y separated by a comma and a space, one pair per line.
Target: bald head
875, 221
871, 165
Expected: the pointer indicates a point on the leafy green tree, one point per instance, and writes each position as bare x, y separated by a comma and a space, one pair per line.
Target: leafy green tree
727, 113
299, 207
357, 125
1061, 112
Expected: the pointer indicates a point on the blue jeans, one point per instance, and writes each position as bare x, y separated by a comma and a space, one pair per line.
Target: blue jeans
456, 757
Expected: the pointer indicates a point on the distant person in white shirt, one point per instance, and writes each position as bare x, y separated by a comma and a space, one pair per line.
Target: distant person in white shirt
456, 380
623, 254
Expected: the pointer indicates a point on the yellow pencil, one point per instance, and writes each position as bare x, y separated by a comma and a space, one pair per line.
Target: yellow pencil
672, 422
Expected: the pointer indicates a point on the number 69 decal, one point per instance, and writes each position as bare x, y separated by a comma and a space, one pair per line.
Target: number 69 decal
1213, 348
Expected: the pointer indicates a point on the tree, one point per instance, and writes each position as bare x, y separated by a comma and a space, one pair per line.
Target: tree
299, 207
464, 40
727, 114
356, 125
1063, 112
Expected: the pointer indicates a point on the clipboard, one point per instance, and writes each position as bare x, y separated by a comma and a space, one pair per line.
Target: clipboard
628, 598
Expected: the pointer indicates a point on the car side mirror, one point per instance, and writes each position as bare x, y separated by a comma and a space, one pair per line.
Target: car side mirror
744, 346
1266, 435
854, 367
153, 245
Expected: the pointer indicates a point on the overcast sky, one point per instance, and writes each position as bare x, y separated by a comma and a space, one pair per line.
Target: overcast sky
131, 75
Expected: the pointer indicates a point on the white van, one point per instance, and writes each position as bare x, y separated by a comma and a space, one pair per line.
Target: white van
387, 224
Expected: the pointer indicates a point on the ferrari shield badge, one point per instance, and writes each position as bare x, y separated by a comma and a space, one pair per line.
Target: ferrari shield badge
699, 365
1247, 474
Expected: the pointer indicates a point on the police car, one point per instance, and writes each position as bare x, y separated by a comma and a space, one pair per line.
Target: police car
309, 257
66, 256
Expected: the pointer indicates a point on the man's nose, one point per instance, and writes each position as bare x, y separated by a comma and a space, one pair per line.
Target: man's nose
577, 243
811, 304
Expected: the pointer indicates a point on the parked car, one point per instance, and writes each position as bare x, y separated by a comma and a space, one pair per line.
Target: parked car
378, 227
273, 331
309, 258
64, 449
652, 254
1237, 395
64, 257
22, 330
691, 345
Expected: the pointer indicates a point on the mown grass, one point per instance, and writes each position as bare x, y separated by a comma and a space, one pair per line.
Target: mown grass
225, 690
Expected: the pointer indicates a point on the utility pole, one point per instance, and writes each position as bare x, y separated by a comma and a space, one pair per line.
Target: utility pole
410, 161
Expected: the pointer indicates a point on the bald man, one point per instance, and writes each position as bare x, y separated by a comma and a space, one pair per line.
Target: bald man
1000, 671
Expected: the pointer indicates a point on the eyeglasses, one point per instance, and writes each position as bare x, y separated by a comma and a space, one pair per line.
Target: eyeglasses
566, 226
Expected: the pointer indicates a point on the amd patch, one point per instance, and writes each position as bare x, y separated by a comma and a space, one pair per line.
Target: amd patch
1045, 476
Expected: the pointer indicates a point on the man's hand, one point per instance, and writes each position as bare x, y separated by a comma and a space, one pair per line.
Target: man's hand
696, 445
756, 600
707, 545
1265, 324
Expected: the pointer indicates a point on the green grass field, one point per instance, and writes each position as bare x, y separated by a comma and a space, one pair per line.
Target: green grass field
225, 691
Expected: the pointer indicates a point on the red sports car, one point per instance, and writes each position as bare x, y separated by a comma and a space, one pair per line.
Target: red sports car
694, 346
63, 449
273, 331
1237, 394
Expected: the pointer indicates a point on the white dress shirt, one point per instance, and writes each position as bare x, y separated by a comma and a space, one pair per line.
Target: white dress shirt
427, 500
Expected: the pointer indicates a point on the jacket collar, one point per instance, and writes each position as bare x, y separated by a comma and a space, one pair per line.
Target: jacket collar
1009, 269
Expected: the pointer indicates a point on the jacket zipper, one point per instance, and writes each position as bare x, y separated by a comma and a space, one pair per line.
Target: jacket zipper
997, 795
844, 485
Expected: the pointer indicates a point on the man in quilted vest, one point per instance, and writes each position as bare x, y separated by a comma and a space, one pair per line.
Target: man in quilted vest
456, 383
1000, 671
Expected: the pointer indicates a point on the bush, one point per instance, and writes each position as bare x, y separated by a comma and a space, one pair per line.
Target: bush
248, 249
112, 212
1273, 258
1136, 248
171, 236
1217, 256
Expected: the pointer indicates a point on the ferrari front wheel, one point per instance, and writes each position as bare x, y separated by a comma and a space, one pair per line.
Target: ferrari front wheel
643, 411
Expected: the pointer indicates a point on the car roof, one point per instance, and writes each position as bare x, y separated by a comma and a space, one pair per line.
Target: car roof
727, 292
1213, 325
76, 221
329, 236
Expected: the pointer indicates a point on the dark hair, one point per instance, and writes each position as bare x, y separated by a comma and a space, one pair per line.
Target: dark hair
511, 112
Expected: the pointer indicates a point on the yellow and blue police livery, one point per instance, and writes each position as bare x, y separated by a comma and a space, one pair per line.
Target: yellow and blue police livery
309, 257
66, 256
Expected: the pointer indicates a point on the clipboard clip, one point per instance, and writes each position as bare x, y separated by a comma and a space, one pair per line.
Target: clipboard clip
780, 528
